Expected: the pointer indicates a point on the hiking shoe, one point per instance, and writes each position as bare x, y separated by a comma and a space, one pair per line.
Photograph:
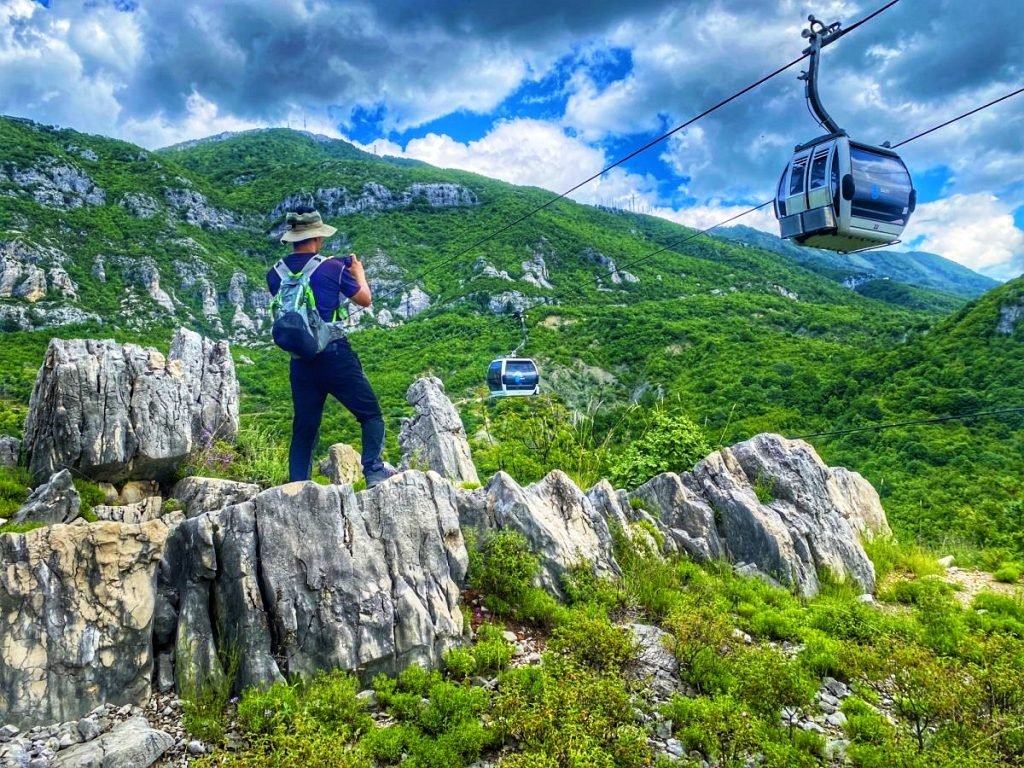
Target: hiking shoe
377, 476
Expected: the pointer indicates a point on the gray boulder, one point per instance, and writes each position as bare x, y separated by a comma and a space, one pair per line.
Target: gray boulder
76, 616
656, 666
342, 465
131, 744
208, 494
683, 515
807, 523
10, 450
434, 437
117, 411
558, 520
631, 517
367, 584
55, 501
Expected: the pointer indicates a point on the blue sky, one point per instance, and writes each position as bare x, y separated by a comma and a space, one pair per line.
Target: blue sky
547, 93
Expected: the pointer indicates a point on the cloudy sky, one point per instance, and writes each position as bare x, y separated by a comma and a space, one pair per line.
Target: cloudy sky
547, 92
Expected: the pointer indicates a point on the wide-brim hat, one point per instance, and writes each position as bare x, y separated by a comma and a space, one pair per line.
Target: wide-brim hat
304, 226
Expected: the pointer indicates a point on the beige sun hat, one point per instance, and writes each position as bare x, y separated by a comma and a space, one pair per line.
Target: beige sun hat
303, 226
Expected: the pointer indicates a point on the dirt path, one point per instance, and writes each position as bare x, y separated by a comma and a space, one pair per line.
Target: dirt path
970, 582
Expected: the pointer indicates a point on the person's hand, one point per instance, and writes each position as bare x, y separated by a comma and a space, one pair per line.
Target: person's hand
356, 265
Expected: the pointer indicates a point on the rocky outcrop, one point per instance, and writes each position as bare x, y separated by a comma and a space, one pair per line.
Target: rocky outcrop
140, 205
136, 512
306, 577
616, 275
32, 272
55, 184
338, 201
535, 271
560, 523
682, 514
131, 744
342, 465
76, 613
114, 411
1010, 315
197, 210
486, 269
511, 301
434, 437
412, 302
779, 508
208, 494
10, 450
55, 501
148, 277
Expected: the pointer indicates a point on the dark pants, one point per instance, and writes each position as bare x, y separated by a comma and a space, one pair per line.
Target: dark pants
335, 371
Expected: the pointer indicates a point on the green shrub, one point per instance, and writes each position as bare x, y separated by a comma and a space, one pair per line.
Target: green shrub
505, 570
767, 681
262, 713
491, 652
329, 699
722, 728
581, 585
764, 489
204, 700
14, 490
593, 641
890, 556
1008, 573
460, 663
669, 443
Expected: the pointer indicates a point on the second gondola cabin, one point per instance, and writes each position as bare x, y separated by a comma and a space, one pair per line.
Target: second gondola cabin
513, 377
844, 196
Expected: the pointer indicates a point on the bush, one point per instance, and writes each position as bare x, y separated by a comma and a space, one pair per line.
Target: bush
505, 570
1008, 573
722, 728
669, 443
590, 639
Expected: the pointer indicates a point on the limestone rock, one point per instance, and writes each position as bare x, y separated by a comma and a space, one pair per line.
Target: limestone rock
208, 494
131, 744
412, 302
616, 275
55, 501
135, 491
807, 525
115, 412
55, 184
137, 512
1010, 315
558, 520
139, 205
76, 614
342, 465
197, 210
434, 437
683, 515
656, 665
339, 201
367, 584
535, 271
10, 450
631, 517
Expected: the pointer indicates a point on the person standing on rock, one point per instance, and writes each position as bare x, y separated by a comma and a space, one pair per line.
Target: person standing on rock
336, 370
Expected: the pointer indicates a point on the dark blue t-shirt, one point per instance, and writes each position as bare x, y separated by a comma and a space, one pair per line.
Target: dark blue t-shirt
330, 282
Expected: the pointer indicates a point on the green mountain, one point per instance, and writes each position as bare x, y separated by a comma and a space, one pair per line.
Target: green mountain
914, 268
101, 238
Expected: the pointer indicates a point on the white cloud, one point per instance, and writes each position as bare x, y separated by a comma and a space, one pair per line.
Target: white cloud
531, 153
975, 230
715, 212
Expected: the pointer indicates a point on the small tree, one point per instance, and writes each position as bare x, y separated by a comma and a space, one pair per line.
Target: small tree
669, 443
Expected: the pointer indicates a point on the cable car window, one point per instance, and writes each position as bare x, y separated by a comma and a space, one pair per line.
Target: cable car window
818, 169
882, 187
494, 374
521, 368
834, 181
780, 198
796, 178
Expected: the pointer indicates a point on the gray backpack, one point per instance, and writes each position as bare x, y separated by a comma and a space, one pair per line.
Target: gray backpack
298, 327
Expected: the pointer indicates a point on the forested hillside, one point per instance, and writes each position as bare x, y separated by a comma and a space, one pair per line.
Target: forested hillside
101, 238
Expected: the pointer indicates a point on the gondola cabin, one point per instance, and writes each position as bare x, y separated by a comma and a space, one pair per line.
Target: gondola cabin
844, 196
513, 377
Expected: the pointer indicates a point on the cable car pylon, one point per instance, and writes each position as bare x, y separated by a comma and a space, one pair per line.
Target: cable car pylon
837, 193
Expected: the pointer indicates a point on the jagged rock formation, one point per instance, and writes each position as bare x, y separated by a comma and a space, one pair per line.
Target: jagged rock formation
535, 271
683, 515
338, 201
342, 465
1010, 315
10, 450
113, 411
140, 205
55, 184
558, 520
55, 501
434, 438
511, 301
198, 212
486, 269
31, 272
307, 577
616, 275
76, 603
809, 523
208, 494
136, 512
412, 302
